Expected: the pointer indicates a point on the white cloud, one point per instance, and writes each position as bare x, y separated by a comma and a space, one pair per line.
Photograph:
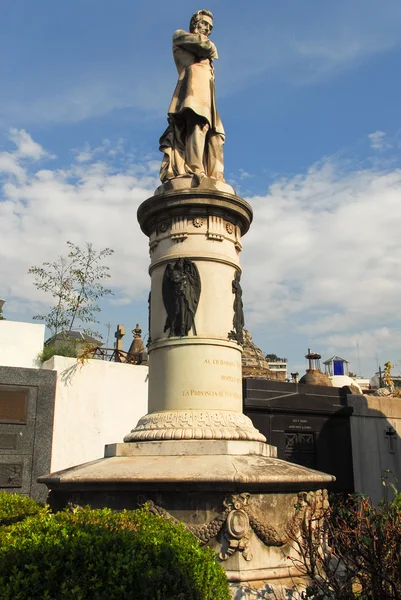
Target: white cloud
26, 147
323, 257
40, 210
378, 141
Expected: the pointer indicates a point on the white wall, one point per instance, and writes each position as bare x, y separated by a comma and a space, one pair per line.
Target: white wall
20, 343
97, 403
371, 451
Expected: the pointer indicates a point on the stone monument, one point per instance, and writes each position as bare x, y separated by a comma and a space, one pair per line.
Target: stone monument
195, 456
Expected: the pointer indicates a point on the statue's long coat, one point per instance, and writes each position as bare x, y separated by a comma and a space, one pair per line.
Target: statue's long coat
193, 56
195, 87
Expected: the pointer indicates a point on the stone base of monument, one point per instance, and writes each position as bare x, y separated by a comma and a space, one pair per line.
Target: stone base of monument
234, 496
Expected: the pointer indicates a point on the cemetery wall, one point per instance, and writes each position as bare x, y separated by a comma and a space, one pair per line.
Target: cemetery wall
96, 403
376, 446
20, 343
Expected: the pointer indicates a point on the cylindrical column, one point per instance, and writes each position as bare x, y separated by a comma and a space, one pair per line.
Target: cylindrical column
195, 375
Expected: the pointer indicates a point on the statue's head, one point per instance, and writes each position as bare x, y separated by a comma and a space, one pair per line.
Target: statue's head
201, 22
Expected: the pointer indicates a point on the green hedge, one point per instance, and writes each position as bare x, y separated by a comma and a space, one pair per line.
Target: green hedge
14, 507
105, 555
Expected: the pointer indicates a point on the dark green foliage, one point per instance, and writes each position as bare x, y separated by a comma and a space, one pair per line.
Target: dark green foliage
60, 348
14, 507
105, 555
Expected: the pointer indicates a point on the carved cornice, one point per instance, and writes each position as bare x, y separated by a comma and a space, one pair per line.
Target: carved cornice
195, 425
194, 203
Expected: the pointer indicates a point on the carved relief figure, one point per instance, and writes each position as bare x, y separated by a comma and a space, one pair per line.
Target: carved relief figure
238, 319
193, 141
181, 289
149, 321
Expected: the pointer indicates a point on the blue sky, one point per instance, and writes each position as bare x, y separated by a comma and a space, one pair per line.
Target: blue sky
309, 94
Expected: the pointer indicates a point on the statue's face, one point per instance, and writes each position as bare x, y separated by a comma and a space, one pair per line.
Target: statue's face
203, 26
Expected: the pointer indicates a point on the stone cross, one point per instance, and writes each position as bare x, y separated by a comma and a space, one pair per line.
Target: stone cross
119, 334
391, 434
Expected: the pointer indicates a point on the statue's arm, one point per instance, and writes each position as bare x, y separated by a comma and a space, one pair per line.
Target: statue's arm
197, 44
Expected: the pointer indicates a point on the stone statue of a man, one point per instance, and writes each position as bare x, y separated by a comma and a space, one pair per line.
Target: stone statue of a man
193, 141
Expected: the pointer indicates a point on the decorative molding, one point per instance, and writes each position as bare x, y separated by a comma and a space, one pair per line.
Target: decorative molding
164, 225
237, 242
239, 522
201, 257
215, 228
153, 245
197, 222
179, 229
229, 228
195, 425
231, 207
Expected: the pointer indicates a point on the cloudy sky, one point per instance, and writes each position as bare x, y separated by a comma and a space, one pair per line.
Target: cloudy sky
309, 93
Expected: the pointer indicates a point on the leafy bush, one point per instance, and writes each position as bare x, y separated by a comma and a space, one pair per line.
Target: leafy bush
105, 555
60, 348
14, 507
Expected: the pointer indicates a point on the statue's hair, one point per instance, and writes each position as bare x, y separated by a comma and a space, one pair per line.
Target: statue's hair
197, 16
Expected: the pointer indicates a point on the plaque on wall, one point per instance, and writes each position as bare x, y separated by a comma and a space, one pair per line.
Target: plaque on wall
8, 441
13, 405
10, 475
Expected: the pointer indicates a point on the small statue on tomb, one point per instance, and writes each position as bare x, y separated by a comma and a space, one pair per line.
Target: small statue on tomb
181, 290
193, 141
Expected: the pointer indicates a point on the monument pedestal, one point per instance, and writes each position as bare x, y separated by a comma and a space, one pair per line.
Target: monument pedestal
234, 496
195, 456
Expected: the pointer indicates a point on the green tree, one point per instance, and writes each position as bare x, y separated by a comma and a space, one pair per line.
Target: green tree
75, 283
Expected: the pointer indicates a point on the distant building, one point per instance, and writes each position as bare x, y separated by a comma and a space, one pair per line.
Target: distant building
278, 365
73, 336
336, 368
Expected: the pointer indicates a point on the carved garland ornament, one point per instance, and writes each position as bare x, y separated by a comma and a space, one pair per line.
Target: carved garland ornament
239, 521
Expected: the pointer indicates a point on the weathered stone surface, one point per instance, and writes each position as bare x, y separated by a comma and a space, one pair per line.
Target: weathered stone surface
142, 469
315, 377
246, 505
254, 363
182, 448
26, 428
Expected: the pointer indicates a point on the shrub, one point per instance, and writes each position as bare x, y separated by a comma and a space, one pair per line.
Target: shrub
353, 551
60, 348
105, 555
14, 507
